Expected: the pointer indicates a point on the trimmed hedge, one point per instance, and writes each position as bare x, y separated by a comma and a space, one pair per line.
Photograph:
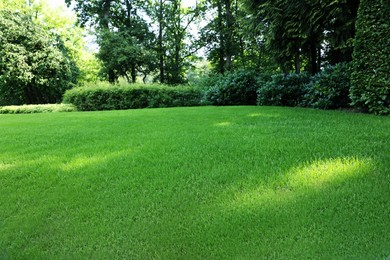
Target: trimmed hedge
30, 109
118, 97
371, 58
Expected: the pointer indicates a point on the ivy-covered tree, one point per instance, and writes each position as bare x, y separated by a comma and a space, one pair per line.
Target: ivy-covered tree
371, 58
35, 66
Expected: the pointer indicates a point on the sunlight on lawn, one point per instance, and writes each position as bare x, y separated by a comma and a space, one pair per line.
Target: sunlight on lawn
82, 161
5, 166
308, 177
261, 115
320, 173
222, 124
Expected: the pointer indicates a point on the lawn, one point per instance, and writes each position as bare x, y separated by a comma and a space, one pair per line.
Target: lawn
195, 183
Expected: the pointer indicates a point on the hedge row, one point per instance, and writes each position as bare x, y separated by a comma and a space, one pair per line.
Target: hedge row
30, 109
107, 97
328, 89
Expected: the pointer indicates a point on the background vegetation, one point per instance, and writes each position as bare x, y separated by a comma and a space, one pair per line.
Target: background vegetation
175, 42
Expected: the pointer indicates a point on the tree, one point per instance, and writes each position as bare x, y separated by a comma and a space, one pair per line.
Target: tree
308, 32
35, 66
220, 34
126, 43
173, 22
124, 56
177, 50
371, 58
62, 22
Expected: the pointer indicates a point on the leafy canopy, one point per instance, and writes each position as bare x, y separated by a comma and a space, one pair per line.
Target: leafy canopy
35, 66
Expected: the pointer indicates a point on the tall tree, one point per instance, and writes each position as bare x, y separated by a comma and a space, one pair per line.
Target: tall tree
126, 43
174, 22
220, 34
35, 66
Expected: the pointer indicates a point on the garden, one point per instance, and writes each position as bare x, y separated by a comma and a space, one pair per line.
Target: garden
210, 129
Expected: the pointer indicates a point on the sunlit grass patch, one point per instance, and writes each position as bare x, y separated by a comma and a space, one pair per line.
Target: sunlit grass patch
262, 115
5, 166
309, 177
223, 124
327, 172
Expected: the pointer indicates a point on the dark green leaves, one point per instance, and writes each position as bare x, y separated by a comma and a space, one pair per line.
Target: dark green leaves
370, 79
34, 66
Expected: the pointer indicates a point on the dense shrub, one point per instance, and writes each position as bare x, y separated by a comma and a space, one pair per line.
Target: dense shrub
371, 58
283, 90
329, 88
110, 97
238, 88
29, 109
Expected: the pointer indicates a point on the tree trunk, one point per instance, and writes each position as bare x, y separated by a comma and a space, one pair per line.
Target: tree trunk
313, 55
160, 42
221, 62
133, 73
106, 14
177, 36
229, 35
319, 58
297, 61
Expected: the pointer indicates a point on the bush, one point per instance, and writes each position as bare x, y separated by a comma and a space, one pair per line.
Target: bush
117, 97
238, 88
370, 78
283, 90
329, 89
29, 109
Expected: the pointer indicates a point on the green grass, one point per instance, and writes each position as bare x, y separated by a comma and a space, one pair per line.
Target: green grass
203, 183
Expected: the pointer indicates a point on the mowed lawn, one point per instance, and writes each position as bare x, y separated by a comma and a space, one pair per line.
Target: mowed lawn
195, 183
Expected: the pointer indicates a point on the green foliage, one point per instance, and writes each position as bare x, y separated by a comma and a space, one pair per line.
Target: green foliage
283, 90
306, 32
30, 109
329, 89
60, 21
124, 55
117, 97
90, 67
371, 66
35, 67
236, 88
